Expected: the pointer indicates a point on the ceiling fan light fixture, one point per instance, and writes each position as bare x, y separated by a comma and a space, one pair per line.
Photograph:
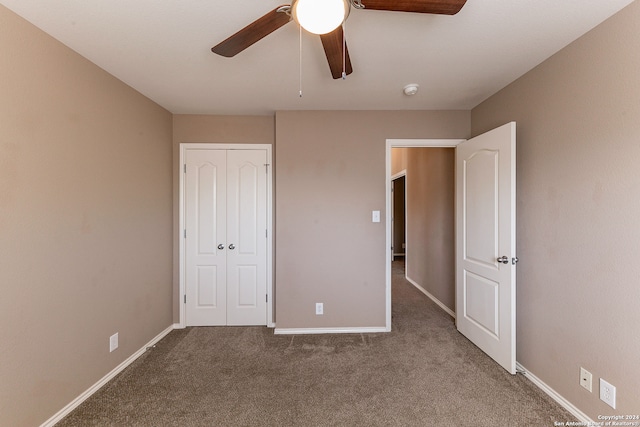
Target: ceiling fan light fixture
320, 16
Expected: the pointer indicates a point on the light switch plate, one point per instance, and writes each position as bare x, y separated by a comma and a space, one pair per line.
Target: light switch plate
113, 342
375, 216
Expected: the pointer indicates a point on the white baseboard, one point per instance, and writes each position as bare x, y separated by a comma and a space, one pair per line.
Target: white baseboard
432, 298
581, 416
94, 388
183, 326
307, 331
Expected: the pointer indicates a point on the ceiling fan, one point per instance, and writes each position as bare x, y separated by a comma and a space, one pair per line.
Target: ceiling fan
335, 47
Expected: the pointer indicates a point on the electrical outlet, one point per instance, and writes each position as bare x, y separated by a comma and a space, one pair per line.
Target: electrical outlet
319, 308
113, 342
586, 379
607, 393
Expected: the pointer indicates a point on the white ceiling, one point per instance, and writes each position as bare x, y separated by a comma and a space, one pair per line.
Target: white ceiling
162, 49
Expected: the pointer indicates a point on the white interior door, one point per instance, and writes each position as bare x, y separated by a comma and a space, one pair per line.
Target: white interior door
225, 237
485, 246
246, 237
205, 237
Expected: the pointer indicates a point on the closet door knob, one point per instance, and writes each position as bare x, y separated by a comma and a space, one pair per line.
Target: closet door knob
232, 246
221, 246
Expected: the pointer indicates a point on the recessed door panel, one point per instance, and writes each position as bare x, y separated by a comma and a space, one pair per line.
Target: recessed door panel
207, 295
480, 207
481, 302
206, 200
247, 196
248, 286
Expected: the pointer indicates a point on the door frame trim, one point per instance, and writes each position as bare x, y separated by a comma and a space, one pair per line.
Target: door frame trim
221, 146
399, 143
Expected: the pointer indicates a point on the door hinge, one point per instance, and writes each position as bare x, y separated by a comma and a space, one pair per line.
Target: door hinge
185, 298
185, 168
266, 297
185, 233
266, 167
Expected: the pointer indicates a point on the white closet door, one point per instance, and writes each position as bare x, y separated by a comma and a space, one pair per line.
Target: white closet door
246, 237
226, 241
205, 224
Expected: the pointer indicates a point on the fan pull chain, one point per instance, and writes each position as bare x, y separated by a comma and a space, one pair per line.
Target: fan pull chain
300, 30
344, 54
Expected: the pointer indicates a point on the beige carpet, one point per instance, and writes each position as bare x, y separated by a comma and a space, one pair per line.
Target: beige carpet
423, 373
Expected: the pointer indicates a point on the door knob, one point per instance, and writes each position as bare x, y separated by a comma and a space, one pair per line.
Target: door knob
232, 246
503, 259
221, 246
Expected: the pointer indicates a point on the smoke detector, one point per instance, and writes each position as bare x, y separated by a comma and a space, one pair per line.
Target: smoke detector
411, 89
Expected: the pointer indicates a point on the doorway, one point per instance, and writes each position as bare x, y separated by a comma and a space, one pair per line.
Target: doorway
392, 172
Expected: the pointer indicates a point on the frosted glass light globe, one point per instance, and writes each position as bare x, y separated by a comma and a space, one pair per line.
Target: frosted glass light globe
320, 16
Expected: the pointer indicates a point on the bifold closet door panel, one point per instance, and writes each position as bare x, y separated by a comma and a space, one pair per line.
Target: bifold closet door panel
206, 226
247, 237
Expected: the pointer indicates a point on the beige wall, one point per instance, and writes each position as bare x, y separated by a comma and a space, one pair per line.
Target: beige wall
330, 175
398, 160
430, 221
578, 118
85, 222
195, 128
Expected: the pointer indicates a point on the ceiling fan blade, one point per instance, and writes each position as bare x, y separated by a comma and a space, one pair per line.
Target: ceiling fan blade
332, 43
252, 33
443, 7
